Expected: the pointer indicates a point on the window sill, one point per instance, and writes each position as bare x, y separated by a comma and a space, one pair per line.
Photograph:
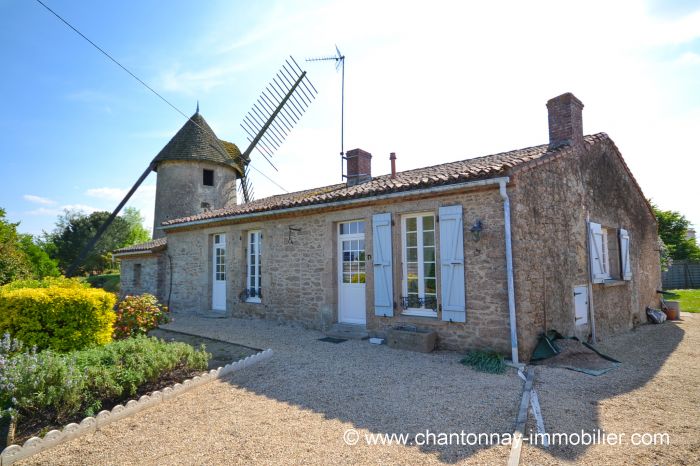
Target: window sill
254, 300
419, 313
613, 282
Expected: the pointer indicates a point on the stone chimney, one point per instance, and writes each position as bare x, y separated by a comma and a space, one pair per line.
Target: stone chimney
359, 167
565, 122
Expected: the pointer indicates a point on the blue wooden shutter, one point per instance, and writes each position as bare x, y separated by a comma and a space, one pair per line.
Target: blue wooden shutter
383, 275
452, 264
595, 255
625, 255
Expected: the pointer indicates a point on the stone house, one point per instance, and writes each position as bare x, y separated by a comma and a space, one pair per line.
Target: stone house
489, 252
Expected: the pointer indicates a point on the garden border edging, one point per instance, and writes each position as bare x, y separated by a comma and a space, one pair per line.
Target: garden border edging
34, 445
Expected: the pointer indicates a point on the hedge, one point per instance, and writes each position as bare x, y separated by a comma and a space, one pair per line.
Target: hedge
60, 318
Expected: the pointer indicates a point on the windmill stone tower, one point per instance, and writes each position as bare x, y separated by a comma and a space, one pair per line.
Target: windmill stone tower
197, 172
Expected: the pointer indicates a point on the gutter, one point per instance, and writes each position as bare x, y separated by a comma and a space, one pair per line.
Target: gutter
349, 202
509, 271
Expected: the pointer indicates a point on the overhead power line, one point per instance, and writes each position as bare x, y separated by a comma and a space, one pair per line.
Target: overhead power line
64, 21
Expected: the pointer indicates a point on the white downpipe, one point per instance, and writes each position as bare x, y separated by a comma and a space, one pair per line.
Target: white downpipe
509, 271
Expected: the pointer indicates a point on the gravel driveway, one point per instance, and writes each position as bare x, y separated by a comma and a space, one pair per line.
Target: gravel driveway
296, 407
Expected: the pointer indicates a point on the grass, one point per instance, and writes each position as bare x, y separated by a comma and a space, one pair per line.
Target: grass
485, 361
108, 282
689, 299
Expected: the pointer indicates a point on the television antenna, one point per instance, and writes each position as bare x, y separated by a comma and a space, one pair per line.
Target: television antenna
339, 59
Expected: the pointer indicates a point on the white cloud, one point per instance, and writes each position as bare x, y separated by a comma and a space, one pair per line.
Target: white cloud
689, 58
112, 194
54, 211
38, 199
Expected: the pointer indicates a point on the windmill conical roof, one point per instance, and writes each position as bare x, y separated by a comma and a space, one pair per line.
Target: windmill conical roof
197, 141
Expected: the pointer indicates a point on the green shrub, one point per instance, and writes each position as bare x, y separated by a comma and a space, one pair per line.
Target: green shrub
59, 282
136, 315
59, 318
50, 388
485, 361
107, 281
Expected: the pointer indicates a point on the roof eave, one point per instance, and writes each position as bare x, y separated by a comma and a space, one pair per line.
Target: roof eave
340, 203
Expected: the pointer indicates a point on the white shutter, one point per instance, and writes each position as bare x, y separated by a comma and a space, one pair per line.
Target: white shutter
625, 255
383, 275
452, 264
595, 242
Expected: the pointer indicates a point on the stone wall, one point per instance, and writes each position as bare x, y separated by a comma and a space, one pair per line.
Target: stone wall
550, 204
180, 191
299, 269
153, 275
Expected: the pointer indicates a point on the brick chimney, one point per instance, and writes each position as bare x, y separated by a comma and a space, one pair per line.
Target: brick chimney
565, 122
359, 166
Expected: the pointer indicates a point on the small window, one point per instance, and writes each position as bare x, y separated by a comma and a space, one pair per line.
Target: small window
208, 177
137, 275
419, 265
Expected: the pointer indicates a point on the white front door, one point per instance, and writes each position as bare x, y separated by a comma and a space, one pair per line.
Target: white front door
218, 292
581, 304
351, 273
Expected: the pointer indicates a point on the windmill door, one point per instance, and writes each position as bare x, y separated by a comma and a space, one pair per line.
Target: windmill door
218, 292
351, 273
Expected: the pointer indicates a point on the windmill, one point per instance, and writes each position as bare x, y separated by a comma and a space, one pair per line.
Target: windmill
339, 59
278, 108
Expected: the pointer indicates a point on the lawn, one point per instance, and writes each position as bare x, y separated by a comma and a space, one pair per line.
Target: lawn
690, 299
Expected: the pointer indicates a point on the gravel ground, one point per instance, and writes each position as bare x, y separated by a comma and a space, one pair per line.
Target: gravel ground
295, 407
655, 390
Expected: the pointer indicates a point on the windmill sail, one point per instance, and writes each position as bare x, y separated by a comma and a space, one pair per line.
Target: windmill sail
279, 107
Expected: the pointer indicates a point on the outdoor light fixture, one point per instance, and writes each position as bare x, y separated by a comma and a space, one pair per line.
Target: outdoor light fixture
476, 230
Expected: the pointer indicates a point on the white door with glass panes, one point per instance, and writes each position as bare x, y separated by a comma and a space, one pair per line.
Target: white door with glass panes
218, 293
351, 273
419, 271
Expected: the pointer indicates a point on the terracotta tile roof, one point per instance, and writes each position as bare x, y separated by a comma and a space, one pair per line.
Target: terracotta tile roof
197, 141
147, 247
490, 166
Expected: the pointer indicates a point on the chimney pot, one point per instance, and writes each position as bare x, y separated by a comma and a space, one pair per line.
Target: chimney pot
565, 121
359, 166
392, 157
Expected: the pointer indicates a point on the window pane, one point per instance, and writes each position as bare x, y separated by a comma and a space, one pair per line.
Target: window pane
343, 228
411, 224
353, 228
429, 254
362, 277
346, 256
412, 285
362, 245
346, 278
346, 245
429, 270
430, 286
412, 271
411, 254
411, 239
428, 222
361, 228
362, 255
429, 238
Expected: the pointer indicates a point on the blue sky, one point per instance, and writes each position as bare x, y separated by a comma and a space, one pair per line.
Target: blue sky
433, 82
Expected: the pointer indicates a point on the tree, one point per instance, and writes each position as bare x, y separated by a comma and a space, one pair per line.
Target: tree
673, 231
14, 264
40, 262
75, 229
137, 234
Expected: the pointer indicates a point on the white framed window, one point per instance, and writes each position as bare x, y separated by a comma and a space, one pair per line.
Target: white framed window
605, 254
419, 281
254, 280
